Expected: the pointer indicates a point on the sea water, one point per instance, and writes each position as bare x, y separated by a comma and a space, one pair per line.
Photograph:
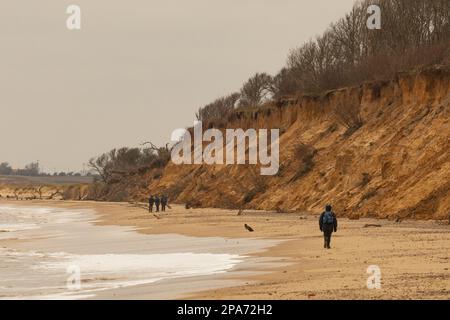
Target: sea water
60, 253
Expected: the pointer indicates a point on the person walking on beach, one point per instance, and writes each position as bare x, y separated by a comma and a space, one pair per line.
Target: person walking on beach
151, 201
163, 202
328, 224
157, 202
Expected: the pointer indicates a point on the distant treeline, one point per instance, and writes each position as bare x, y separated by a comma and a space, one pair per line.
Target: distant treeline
33, 170
413, 33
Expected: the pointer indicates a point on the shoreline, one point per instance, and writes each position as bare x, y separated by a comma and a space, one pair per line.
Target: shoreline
165, 243
412, 255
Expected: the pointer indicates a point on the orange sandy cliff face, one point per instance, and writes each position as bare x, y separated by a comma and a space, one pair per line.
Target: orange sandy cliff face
396, 165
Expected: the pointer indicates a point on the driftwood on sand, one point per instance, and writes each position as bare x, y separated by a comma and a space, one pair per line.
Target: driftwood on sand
370, 225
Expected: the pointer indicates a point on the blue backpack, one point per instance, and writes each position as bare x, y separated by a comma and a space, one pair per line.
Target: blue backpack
328, 217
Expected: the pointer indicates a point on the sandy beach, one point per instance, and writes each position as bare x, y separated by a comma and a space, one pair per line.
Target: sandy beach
282, 259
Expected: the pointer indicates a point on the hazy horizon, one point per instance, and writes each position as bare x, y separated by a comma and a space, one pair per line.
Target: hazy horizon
136, 70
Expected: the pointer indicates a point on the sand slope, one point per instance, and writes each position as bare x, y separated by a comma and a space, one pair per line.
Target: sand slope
396, 165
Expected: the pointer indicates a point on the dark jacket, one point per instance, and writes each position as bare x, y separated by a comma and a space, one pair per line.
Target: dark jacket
334, 221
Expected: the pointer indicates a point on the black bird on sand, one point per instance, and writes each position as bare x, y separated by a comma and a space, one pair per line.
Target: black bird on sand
248, 228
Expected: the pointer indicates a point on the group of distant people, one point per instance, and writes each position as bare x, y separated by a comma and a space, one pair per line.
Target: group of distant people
157, 201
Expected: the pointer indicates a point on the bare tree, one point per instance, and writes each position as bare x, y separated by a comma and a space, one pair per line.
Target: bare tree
255, 90
16, 193
283, 84
218, 109
163, 154
101, 166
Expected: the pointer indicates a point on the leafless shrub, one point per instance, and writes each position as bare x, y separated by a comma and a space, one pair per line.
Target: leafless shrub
56, 193
365, 179
250, 195
95, 191
193, 203
369, 194
305, 154
258, 185
39, 190
348, 115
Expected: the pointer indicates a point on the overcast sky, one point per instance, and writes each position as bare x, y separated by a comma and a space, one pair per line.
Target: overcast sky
137, 70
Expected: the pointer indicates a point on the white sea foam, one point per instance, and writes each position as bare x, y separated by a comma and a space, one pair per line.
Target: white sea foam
107, 271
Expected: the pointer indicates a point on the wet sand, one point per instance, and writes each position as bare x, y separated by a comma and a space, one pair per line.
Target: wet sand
413, 256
